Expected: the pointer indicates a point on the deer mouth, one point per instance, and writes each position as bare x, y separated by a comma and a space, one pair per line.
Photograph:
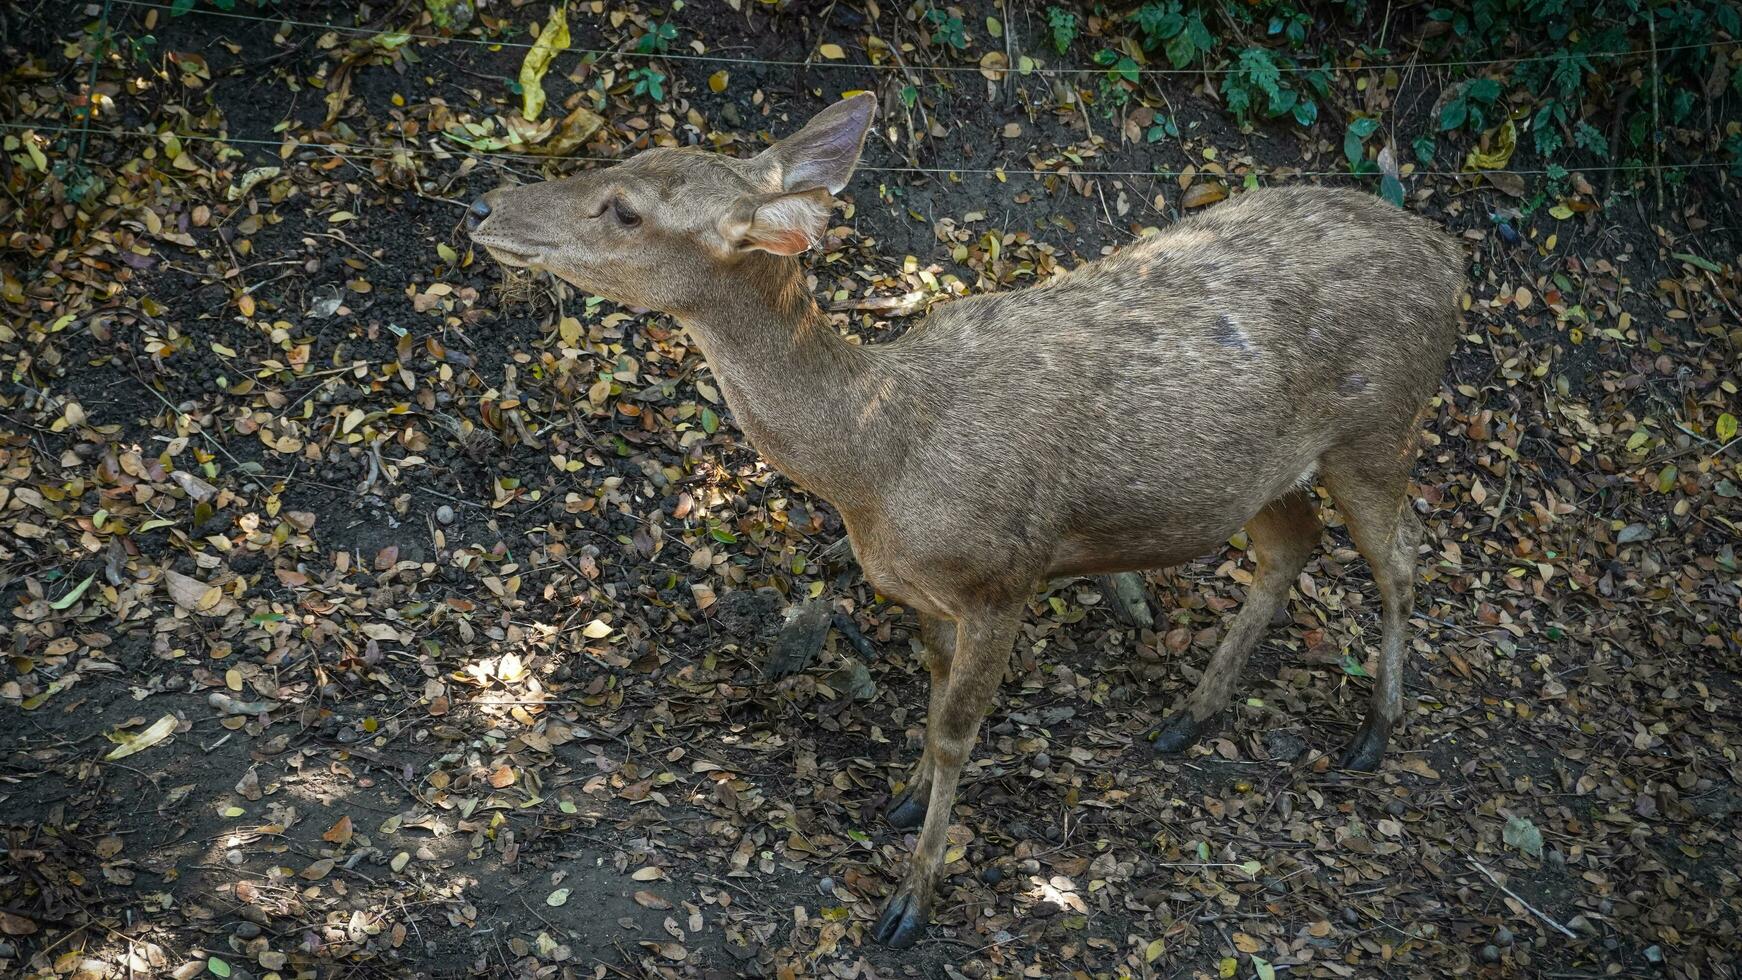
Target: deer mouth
508, 256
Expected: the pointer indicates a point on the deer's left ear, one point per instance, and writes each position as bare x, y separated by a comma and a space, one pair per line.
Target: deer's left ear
823, 153
784, 224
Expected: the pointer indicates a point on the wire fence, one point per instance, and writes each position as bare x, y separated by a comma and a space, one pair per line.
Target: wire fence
889, 66
379, 152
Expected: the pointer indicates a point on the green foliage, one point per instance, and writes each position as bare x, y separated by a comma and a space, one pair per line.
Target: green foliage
1258, 84
1121, 76
179, 7
1181, 34
1355, 145
649, 81
1063, 25
657, 39
1733, 146
1162, 128
1290, 23
1469, 105
947, 29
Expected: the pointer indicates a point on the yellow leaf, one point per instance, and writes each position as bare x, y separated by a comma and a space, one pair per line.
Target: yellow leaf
569, 329
339, 217
832, 52
1153, 951
127, 743
552, 40
246, 305
1199, 195
717, 81
1726, 427
1500, 153
447, 253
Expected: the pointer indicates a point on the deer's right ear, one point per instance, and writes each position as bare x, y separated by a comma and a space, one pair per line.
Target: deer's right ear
784, 224
823, 153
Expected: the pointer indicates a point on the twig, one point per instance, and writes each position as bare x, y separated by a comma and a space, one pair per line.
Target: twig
1539, 913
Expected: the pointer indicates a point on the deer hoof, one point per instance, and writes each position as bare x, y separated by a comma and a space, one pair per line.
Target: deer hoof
1368, 746
1178, 733
906, 811
903, 920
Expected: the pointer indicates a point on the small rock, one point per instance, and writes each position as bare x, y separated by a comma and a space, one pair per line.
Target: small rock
444, 515
1046, 910
1284, 746
7, 952
1042, 760
992, 875
1653, 955
1395, 808
799, 639
246, 930
826, 886
1503, 936
1351, 917
1490, 953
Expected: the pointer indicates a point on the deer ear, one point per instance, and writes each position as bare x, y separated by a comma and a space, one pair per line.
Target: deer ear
823, 153
785, 224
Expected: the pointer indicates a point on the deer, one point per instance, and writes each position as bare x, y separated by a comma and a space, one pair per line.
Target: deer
1217, 371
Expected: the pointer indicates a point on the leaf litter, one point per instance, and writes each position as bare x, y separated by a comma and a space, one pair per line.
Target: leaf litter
448, 594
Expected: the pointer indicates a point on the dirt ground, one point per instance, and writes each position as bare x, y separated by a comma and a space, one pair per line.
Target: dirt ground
451, 595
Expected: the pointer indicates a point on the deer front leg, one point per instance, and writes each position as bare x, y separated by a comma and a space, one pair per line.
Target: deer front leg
982, 651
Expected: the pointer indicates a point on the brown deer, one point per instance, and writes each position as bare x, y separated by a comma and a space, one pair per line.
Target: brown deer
1131, 414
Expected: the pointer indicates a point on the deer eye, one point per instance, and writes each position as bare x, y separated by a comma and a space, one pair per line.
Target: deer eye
625, 217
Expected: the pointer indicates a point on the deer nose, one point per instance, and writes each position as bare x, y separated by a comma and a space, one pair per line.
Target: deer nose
476, 214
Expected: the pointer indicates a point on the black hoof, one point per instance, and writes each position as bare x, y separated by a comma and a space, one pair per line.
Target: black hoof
1368, 745
905, 812
1178, 733
903, 921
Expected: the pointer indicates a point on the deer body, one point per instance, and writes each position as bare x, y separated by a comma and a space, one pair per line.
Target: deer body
1131, 414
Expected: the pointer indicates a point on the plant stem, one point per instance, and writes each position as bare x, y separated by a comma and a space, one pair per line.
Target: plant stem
97, 53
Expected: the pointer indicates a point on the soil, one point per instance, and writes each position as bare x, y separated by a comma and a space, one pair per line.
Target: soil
698, 818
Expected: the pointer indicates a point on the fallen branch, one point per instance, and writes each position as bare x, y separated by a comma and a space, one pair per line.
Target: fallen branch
1539, 913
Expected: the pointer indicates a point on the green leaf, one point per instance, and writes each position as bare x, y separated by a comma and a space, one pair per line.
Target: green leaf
710, 421
1454, 114
218, 967
1697, 261
1306, 112
1391, 189
1352, 148
1424, 149
79, 590
1364, 127
1524, 835
1263, 969
1353, 667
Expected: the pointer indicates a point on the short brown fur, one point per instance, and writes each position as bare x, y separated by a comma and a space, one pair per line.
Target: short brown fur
1130, 414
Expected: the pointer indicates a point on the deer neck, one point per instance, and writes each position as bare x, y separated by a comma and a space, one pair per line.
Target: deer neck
811, 403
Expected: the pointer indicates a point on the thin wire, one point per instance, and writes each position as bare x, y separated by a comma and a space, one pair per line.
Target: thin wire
371, 152
1036, 70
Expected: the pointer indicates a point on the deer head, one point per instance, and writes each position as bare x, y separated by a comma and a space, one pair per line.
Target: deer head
662, 229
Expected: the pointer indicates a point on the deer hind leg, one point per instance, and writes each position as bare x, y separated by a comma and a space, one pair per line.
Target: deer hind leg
906, 809
1371, 489
983, 642
1284, 535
